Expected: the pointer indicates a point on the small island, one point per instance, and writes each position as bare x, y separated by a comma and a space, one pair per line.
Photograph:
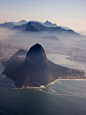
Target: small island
33, 69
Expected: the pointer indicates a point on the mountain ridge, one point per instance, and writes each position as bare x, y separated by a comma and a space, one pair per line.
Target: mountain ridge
49, 24
39, 26
30, 27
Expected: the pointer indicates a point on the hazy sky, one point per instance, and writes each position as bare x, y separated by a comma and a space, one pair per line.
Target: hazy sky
69, 13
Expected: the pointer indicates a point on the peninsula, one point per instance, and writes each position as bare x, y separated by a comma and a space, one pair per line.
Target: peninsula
33, 69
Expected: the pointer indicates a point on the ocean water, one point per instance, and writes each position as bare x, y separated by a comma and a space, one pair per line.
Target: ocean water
62, 97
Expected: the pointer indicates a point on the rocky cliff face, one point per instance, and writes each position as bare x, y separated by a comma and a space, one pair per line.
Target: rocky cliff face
37, 64
37, 54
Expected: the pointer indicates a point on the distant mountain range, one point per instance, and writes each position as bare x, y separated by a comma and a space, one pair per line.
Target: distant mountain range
34, 26
20, 22
7, 24
12, 24
38, 26
46, 24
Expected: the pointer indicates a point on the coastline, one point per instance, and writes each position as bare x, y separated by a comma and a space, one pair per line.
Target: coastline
11, 83
42, 86
64, 79
76, 75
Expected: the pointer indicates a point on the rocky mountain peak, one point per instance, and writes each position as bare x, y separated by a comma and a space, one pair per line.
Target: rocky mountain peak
30, 27
36, 53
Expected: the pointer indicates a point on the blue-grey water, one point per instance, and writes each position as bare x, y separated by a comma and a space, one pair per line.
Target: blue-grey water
62, 60
62, 97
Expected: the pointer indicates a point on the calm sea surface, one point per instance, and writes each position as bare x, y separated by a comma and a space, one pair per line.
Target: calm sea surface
62, 97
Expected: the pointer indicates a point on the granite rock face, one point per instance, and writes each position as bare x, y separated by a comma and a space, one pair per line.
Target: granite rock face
37, 64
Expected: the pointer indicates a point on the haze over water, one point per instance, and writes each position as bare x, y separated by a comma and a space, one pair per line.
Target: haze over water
61, 60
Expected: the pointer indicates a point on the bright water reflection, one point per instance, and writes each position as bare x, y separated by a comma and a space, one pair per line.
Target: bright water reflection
61, 60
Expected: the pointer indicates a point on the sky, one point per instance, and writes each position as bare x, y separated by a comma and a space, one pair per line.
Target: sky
67, 13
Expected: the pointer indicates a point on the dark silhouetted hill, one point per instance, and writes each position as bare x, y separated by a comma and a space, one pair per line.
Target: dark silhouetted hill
35, 70
39, 26
16, 57
15, 61
31, 26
